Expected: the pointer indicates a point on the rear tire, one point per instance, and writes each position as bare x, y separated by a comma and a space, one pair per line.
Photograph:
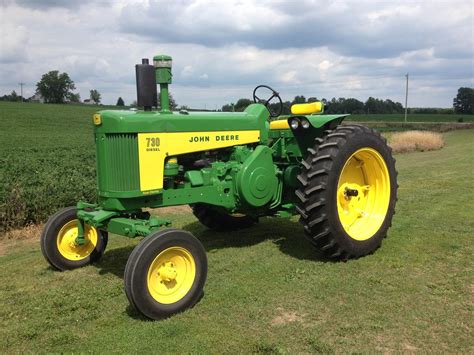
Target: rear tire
57, 241
218, 219
165, 273
348, 191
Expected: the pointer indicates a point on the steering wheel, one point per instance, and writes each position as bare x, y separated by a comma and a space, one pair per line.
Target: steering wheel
275, 95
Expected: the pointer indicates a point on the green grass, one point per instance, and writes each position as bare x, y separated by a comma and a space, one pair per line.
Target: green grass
267, 291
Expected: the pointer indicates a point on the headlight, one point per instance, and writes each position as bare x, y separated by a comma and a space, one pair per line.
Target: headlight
294, 123
305, 123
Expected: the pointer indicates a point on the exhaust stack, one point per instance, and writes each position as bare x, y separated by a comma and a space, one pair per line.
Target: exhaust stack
146, 85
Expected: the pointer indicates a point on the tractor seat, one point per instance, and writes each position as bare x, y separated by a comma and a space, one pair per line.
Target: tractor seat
307, 109
298, 109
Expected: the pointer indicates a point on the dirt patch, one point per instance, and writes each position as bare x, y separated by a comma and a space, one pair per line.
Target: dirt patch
30, 232
411, 141
285, 317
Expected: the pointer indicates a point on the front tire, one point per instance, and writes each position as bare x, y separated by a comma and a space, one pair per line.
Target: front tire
348, 191
58, 241
165, 274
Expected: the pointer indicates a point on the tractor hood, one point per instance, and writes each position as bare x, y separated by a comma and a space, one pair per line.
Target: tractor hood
113, 121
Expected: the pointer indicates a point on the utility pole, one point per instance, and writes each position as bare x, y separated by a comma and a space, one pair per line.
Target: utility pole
21, 90
406, 100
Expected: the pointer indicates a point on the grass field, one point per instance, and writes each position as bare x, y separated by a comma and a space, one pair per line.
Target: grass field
267, 291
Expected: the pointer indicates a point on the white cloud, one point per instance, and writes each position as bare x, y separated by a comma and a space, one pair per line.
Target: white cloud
221, 50
13, 43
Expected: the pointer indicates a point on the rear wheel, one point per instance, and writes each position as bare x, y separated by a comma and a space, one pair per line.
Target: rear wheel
59, 246
348, 191
218, 219
165, 274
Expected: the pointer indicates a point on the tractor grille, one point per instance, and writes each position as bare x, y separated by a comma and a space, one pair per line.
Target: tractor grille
119, 171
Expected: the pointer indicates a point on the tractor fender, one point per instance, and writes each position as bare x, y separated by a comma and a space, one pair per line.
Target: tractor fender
318, 124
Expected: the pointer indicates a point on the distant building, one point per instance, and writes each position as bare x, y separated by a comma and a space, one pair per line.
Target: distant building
37, 98
89, 102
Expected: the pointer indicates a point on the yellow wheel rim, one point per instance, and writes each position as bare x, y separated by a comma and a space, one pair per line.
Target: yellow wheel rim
171, 275
66, 241
363, 193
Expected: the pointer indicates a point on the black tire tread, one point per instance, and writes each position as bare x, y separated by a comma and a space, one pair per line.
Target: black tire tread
312, 193
48, 245
132, 276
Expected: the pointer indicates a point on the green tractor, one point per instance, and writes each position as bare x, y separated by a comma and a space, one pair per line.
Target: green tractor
232, 169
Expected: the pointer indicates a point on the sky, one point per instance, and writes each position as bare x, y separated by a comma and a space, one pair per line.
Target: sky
222, 49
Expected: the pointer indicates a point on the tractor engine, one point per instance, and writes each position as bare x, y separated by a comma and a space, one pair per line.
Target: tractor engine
247, 173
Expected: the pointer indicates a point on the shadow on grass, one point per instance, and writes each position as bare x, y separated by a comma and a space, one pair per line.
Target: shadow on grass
288, 235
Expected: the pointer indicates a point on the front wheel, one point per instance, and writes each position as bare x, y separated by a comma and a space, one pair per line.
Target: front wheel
165, 274
348, 191
58, 241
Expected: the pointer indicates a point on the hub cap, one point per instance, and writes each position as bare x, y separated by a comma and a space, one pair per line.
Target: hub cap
363, 194
66, 241
171, 275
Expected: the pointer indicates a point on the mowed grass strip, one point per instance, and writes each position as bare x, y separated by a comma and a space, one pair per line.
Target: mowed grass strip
267, 291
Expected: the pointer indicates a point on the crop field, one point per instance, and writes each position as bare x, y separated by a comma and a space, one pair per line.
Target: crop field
267, 290
47, 160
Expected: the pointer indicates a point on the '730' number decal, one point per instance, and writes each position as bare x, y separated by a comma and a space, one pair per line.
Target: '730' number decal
153, 142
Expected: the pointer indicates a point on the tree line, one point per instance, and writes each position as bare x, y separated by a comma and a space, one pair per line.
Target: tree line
462, 103
55, 88
58, 88
340, 105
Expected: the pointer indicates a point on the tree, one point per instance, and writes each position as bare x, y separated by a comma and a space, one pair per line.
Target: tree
95, 96
14, 96
352, 105
228, 107
55, 87
242, 104
76, 98
464, 101
120, 102
286, 109
300, 99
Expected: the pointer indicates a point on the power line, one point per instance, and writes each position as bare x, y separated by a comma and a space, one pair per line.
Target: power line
21, 90
406, 99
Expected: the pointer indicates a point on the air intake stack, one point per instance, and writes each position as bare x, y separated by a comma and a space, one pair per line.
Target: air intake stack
164, 77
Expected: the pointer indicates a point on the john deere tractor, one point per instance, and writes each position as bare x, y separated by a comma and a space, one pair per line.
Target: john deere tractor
232, 169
